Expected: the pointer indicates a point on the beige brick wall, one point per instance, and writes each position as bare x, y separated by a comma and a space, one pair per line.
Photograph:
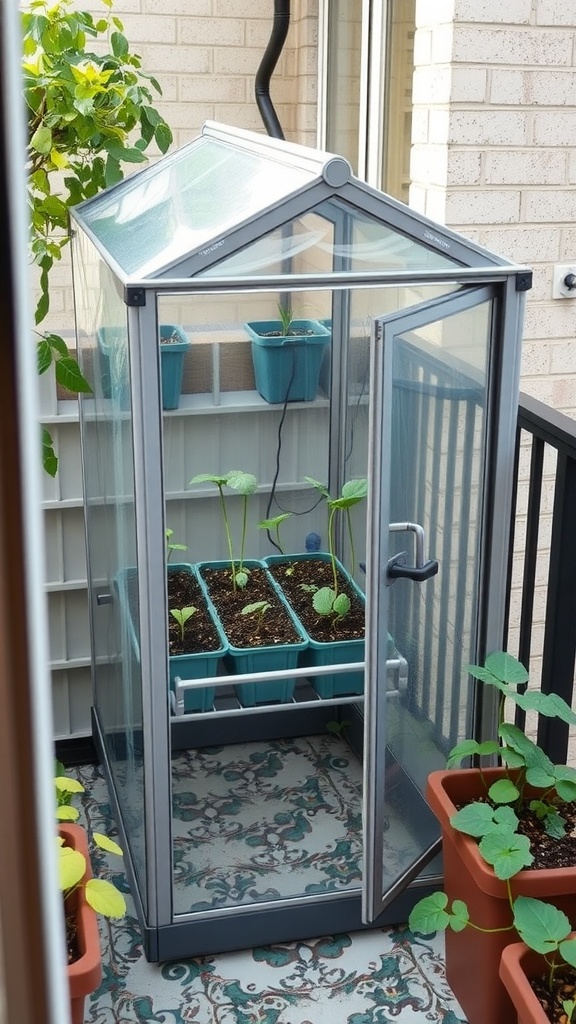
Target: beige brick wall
493, 156
493, 153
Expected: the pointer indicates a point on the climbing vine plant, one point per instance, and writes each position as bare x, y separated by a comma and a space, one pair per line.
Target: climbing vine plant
89, 113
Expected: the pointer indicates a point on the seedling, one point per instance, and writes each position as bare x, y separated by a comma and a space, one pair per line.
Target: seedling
170, 547
244, 484
101, 895
274, 524
327, 602
285, 315
258, 609
182, 615
353, 492
493, 821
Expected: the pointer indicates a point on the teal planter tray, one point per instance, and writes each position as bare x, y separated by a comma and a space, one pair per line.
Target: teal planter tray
112, 350
274, 658
186, 666
339, 652
287, 368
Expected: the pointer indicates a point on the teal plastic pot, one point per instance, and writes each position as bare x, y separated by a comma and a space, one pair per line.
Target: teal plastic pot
113, 364
339, 652
186, 666
287, 368
274, 658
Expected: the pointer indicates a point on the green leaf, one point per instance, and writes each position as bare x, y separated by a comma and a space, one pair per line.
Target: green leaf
104, 898
43, 355
69, 376
430, 914
506, 668
475, 819
257, 606
323, 600
49, 457
352, 492
244, 483
341, 605
548, 704
65, 784
506, 851
540, 925
471, 748
241, 579
503, 791
319, 486
207, 478
67, 813
567, 950
271, 524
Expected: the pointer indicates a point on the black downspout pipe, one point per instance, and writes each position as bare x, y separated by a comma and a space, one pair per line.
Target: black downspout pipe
272, 52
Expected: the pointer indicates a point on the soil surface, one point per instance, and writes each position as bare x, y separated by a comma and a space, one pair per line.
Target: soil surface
548, 852
551, 999
250, 630
200, 633
294, 332
72, 939
294, 577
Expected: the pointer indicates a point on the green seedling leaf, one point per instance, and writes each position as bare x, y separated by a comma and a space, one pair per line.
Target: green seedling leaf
470, 748
431, 914
272, 524
565, 781
319, 486
341, 605
353, 492
567, 950
475, 819
503, 792
258, 607
540, 925
208, 478
511, 758
506, 851
241, 579
104, 898
243, 483
49, 457
182, 615
484, 676
548, 704
69, 375
323, 600
308, 588
64, 784
506, 668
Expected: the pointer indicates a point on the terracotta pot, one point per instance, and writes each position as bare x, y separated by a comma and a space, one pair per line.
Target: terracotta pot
518, 964
473, 957
85, 975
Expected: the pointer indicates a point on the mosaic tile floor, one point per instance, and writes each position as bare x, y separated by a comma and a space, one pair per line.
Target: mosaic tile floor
373, 977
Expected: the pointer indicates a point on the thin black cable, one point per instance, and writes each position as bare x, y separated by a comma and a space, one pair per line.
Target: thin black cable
273, 499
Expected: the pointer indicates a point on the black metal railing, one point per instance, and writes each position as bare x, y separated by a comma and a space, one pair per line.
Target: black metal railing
547, 430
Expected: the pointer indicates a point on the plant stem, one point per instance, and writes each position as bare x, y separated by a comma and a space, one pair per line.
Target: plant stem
331, 549
228, 534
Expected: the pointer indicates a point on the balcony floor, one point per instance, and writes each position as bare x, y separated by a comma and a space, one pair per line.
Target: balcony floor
371, 977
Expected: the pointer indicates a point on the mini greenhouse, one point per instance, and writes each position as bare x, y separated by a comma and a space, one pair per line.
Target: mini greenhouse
303, 410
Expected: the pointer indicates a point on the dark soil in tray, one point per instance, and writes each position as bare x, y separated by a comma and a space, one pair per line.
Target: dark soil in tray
563, 989
547, 851
292, 575
275, 626
184, 591
200, 633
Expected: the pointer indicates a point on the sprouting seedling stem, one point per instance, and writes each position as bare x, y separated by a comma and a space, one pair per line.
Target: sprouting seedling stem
182, 615
259, 609
274, 524
170, 547
285, 314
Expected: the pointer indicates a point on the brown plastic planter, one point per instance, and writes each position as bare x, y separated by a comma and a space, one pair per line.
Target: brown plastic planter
517, 966
473, 957
85, 974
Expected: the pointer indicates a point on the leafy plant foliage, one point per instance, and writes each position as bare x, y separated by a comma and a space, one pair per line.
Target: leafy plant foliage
88, 114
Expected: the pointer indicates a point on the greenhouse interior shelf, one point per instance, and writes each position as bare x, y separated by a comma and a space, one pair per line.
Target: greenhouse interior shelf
302, 397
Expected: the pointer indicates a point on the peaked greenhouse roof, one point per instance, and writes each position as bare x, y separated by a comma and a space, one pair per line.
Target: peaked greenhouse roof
239, 203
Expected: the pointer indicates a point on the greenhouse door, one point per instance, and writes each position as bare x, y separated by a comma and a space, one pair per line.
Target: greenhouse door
428, 450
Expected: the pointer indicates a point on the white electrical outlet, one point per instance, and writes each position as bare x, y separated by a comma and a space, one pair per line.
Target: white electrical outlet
561, 290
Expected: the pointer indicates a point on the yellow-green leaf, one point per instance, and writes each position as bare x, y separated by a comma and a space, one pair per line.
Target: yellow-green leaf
67, 813
71, 867
104, 898
105, 843
60, 160
67, 785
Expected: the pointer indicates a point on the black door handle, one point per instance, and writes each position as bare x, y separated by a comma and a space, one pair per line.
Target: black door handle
398, 570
